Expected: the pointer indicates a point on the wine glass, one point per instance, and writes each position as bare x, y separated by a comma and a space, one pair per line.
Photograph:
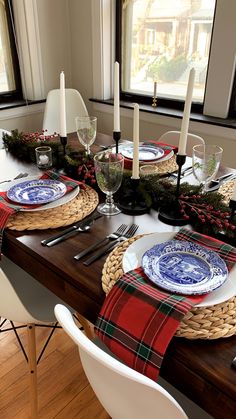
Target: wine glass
109, 171
86, 128
206, 161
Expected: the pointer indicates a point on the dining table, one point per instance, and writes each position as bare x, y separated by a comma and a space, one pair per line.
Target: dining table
199, 368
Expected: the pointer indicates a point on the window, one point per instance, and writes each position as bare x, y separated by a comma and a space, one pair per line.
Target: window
161, 41
10, 86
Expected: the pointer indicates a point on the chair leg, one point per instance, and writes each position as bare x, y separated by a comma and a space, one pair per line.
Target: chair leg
84, 322
32, 362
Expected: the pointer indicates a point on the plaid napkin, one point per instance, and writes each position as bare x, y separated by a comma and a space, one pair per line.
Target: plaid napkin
138, 319
166, 147
7, 207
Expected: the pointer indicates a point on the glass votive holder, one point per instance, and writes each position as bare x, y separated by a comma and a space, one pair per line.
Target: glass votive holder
43, 157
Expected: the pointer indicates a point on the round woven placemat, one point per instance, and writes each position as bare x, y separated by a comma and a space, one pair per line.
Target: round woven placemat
212, 322
75, 210
167, 166
227, 189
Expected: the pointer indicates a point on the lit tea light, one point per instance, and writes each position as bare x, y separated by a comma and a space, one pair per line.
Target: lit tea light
43, 159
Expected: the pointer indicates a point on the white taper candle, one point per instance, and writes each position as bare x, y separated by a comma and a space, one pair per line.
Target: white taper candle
155, 89
135, 168
116, 98
186, 115
63, 132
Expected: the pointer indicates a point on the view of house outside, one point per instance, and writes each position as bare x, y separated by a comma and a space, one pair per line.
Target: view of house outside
161, 41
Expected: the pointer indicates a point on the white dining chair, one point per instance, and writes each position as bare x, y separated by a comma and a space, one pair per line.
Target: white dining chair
25, 301
123, 392
3, 131
172, 137
75, 106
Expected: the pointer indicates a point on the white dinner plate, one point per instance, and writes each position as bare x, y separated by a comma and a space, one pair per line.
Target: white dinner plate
160, 160
132, 258
61, 201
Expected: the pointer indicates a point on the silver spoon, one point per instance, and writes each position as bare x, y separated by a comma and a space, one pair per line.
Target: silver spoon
215, 182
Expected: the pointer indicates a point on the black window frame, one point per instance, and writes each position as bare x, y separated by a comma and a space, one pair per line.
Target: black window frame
17, 94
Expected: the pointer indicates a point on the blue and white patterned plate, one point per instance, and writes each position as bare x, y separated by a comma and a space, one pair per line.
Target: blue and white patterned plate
184, 267
146, 152
39, 191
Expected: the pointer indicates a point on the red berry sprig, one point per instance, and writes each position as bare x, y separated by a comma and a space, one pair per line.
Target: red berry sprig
205, 213
39, 136
86, 173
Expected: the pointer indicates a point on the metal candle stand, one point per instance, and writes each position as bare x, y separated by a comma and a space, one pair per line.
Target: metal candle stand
64, 142
133, 201
173, 216
116, 138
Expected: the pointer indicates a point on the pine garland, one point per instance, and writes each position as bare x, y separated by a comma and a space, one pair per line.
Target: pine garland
206, 212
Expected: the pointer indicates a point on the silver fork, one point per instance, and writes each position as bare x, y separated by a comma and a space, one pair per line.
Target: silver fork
112, 236
127, 235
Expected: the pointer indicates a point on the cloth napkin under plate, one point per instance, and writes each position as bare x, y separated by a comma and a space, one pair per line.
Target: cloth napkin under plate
138, 319
168, 148
8, 207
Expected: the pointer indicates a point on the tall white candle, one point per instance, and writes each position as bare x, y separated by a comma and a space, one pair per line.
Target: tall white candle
116, 98
155, 89
186, 115
135, 168
63, 132
234, 193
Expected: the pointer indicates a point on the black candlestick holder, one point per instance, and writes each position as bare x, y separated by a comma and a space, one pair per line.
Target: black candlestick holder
116, 138
172, 215
232, 206
63, 142
134, 201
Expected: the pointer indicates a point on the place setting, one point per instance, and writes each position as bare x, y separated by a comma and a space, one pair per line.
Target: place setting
180, 281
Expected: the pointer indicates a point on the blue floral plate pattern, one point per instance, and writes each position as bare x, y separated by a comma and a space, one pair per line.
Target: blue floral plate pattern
184, 267
39, 191
146, 152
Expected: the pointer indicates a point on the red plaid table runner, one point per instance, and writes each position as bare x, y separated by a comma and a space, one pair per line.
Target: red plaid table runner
8, 207
138, 320
166, 147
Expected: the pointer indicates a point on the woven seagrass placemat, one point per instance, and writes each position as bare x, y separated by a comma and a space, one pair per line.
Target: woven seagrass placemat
227, 189
167, 166
212, 322
75, 210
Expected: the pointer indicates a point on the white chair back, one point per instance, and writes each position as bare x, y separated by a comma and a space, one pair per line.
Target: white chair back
23, 298
172, 137
75, 106
3, 131
123, 392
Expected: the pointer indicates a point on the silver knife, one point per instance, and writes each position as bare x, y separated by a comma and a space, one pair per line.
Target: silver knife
57, 238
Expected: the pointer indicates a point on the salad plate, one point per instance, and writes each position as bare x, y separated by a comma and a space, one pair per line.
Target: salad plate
132, 258
53, 204
184, 267
39, 191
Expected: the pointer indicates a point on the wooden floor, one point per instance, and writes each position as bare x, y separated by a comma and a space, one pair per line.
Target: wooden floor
64, 392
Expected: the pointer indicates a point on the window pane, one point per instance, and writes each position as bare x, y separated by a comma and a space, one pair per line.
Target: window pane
161, 41
7, 81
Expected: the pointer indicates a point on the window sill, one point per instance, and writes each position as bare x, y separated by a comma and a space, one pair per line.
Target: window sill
210, 120
18, 103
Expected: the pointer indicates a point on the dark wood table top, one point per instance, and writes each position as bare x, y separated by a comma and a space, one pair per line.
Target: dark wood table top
201, 369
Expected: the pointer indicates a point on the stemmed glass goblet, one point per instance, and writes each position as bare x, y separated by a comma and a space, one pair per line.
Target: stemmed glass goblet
86, 128
206, 162
109, 171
